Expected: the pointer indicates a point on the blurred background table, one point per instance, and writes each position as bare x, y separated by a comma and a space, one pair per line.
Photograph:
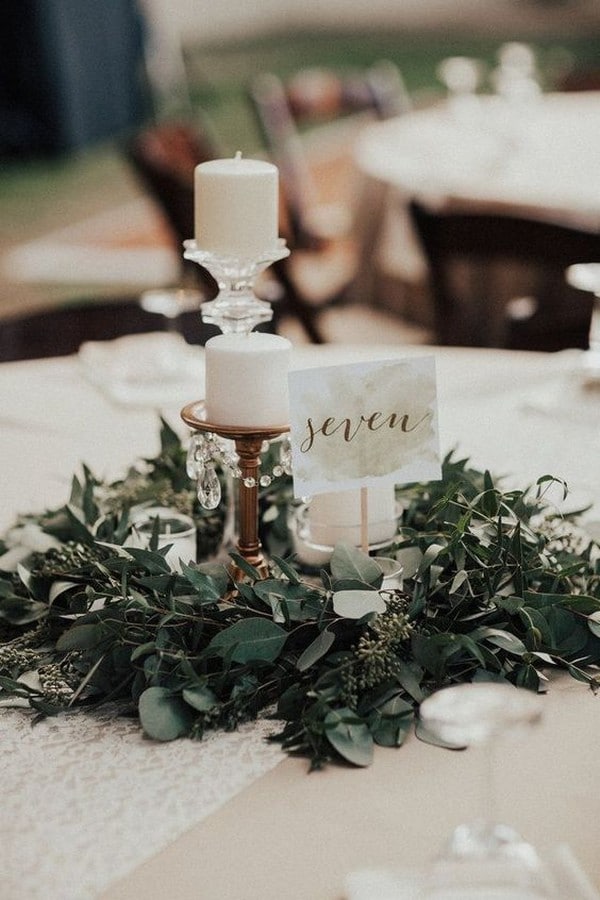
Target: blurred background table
536, 159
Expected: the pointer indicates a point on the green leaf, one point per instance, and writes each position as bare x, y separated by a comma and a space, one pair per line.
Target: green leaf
349, 563
201, 698
315, 651
594, 623
210, 587
164, 716
245, 566
286, 569
570, 634
528, 677
582, 604
80, 637
143, 650
503, 639
151, 560
250, 640
350, 736
356, 604
169, 439
21, 610
391, 731
409, 679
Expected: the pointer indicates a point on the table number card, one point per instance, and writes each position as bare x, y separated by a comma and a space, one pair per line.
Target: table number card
364, 425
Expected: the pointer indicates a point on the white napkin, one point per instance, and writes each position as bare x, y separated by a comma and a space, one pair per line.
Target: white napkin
153, 369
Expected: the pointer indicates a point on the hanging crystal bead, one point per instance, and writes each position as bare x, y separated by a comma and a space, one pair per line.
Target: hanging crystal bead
250, 482
194, 462
285, 455
265, 480
209, 488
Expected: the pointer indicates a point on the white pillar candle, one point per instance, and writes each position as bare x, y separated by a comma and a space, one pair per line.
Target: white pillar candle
336, 517
236, 207
247, 379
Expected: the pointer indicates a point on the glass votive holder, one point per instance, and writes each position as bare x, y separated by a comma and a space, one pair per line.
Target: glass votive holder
315, 554
175, 530
393, 572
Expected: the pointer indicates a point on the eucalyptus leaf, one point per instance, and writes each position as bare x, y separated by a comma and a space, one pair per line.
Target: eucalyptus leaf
349, 736
349, 563
594, 623
22, 611
200, 697
163, 715
315, 651
80, 637
210, 587
251, 571
250, 640
356, 604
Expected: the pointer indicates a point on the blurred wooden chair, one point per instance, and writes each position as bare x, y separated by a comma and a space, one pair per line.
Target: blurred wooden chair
62, 331
163, 157
499, 281
319, 93
317, 227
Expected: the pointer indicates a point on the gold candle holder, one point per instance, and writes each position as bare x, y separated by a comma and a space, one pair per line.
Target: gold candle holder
248, 444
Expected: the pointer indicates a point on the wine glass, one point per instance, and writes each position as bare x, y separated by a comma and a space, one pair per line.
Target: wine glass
172, 362
516, 78
586, 277
484, 859
461, 75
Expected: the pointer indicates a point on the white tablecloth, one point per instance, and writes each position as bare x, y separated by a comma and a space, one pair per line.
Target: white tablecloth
86, 800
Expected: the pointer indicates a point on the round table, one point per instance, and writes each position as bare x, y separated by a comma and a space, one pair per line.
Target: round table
538, 159
91, 809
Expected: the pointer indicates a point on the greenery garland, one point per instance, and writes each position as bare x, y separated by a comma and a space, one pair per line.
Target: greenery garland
504, 588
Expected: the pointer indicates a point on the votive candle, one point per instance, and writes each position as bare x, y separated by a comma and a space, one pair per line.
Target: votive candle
336, 517
247, 379
236, 207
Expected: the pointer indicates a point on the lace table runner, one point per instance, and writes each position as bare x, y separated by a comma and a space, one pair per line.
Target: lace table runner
86, 798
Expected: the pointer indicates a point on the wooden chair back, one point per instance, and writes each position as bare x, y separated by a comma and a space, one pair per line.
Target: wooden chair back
499, 281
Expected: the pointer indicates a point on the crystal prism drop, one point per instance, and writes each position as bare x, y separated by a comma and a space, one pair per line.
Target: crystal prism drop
285, 456
193, 462
209, 488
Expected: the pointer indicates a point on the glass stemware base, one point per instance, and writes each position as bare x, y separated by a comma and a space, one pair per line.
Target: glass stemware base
484, 858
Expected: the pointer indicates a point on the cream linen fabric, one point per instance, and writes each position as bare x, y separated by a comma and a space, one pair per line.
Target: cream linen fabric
85, 801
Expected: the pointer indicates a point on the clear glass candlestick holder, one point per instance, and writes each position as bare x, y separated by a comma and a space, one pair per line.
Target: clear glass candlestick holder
236, 308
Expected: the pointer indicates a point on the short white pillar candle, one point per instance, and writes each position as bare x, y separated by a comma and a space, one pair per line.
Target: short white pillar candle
236, 207
336, 517
175, 530
247, 379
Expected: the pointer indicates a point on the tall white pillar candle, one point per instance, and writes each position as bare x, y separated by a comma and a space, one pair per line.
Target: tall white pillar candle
247, 379
236, 206
336, 517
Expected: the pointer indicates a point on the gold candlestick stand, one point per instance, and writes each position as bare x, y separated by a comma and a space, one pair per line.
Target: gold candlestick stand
248, 444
